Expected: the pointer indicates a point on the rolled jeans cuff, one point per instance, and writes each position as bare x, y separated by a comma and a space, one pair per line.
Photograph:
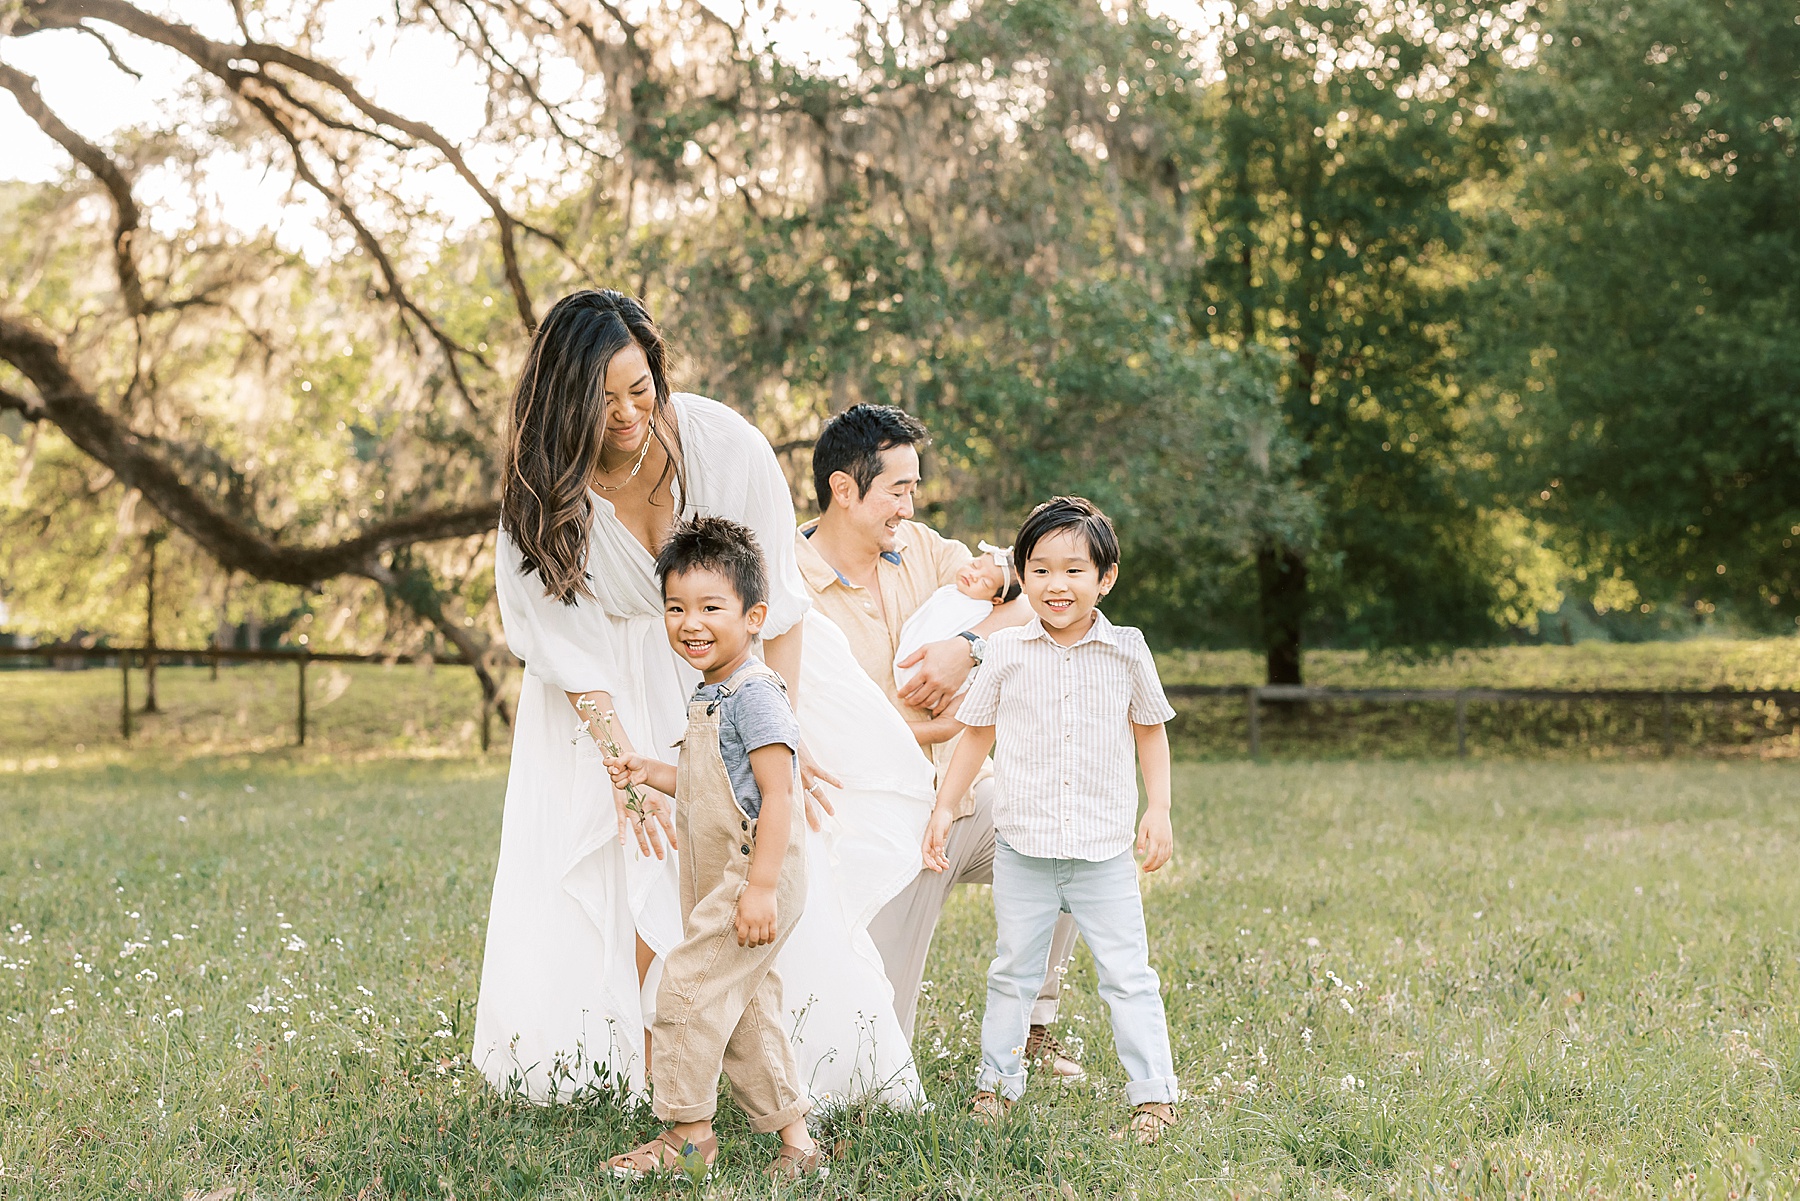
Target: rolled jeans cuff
991, 1081
1143, 1092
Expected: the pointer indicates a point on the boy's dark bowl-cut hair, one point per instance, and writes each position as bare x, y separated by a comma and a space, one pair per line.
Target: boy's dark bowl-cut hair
852, 442
1070, 513
716, 544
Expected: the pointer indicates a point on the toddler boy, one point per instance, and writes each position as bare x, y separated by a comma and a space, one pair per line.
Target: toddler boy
742, 863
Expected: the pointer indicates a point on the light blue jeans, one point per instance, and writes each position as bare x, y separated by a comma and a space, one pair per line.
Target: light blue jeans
1104, 900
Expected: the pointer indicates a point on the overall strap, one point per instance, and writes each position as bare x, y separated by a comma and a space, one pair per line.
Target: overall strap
749, 671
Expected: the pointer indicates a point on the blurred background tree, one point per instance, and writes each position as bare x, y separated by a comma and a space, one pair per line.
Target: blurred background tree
1640, 316
1291, 288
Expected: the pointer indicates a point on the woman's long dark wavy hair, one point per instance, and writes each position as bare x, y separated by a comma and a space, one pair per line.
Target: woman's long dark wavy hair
556, 426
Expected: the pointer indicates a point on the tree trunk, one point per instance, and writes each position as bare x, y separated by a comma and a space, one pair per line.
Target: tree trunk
151, 541
1281, 592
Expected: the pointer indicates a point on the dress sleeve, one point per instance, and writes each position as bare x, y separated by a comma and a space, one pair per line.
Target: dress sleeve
1149, 705
570, 646
769, 512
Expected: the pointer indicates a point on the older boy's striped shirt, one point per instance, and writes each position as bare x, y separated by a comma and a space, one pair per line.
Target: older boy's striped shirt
1064, 757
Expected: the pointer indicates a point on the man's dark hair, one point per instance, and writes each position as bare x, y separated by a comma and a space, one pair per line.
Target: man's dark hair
717, 545
852, 442
1069, 513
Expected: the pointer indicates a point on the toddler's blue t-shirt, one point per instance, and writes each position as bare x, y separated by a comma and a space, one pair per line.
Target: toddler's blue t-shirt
756, 714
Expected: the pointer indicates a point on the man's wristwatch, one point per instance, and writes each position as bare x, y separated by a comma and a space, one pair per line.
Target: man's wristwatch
977, 646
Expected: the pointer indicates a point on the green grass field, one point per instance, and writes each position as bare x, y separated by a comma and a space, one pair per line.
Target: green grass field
1501, 979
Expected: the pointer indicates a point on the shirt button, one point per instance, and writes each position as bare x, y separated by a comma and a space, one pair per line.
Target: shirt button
745, 823
745, 848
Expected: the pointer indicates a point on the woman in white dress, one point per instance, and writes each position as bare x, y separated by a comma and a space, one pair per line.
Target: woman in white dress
601, 461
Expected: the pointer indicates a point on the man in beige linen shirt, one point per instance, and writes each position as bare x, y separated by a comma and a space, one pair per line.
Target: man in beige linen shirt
868, 566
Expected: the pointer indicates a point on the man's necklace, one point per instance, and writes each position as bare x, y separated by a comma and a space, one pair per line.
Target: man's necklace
635, 467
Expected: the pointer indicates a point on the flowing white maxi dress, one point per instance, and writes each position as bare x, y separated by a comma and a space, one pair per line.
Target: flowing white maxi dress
560, 1010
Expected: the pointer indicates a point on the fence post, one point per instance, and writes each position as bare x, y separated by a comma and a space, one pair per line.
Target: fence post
1462, 724
125, 695
1253, 698
300, 703
487, 709
1668, 731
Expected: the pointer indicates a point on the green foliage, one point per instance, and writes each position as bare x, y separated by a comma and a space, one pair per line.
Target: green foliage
1375, 325
1642, 332
1402, 980
1337, 137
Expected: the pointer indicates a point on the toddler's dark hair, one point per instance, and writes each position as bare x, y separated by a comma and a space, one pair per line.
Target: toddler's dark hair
717, 545
1069, 513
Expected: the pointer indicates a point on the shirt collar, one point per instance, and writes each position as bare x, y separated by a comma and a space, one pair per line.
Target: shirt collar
820, 575
1101, 631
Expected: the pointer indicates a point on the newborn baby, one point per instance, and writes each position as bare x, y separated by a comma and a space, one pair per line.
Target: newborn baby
986, 581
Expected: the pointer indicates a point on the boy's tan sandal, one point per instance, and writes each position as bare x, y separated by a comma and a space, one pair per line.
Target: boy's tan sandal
1148, 1121
791, 1164
667, 1153
1043, 1052
988, 1108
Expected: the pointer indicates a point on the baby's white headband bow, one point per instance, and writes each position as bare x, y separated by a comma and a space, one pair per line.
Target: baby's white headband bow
1003, 559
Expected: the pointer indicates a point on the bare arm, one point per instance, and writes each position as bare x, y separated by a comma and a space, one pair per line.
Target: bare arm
589, 706
1156, 835
757, 919
941, 728
1015, 612
944, 665
964, 764
782, 653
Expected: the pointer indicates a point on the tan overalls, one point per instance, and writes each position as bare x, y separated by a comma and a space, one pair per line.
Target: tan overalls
719, 1004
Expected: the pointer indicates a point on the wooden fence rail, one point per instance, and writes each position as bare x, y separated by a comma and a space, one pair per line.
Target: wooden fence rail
128, 656
1254, 696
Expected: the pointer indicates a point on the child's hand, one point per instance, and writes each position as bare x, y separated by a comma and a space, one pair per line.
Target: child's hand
756, 915
627, 768
1156, 839
937, 834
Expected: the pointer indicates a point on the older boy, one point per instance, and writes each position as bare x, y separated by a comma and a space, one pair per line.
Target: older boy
1065, 697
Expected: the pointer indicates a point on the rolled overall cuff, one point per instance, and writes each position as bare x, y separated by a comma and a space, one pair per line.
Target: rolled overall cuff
786, 1116
700, 1111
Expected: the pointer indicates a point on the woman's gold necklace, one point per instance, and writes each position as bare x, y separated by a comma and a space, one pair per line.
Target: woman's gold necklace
635, 467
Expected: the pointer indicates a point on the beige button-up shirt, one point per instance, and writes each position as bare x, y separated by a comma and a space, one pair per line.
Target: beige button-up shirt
1065, 754
921, 562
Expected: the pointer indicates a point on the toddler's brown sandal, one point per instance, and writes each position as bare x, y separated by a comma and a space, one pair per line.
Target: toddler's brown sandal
989, 1108
791, 1164
663, 1155
1148, 1121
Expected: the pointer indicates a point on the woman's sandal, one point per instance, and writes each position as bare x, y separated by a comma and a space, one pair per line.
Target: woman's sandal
989, 1109
791, 1164
1148, 1121
666, 1153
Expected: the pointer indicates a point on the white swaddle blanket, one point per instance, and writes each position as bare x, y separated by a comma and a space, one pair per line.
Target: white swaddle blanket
945, 614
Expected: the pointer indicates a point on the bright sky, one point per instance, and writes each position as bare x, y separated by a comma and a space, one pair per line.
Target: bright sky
408, 72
